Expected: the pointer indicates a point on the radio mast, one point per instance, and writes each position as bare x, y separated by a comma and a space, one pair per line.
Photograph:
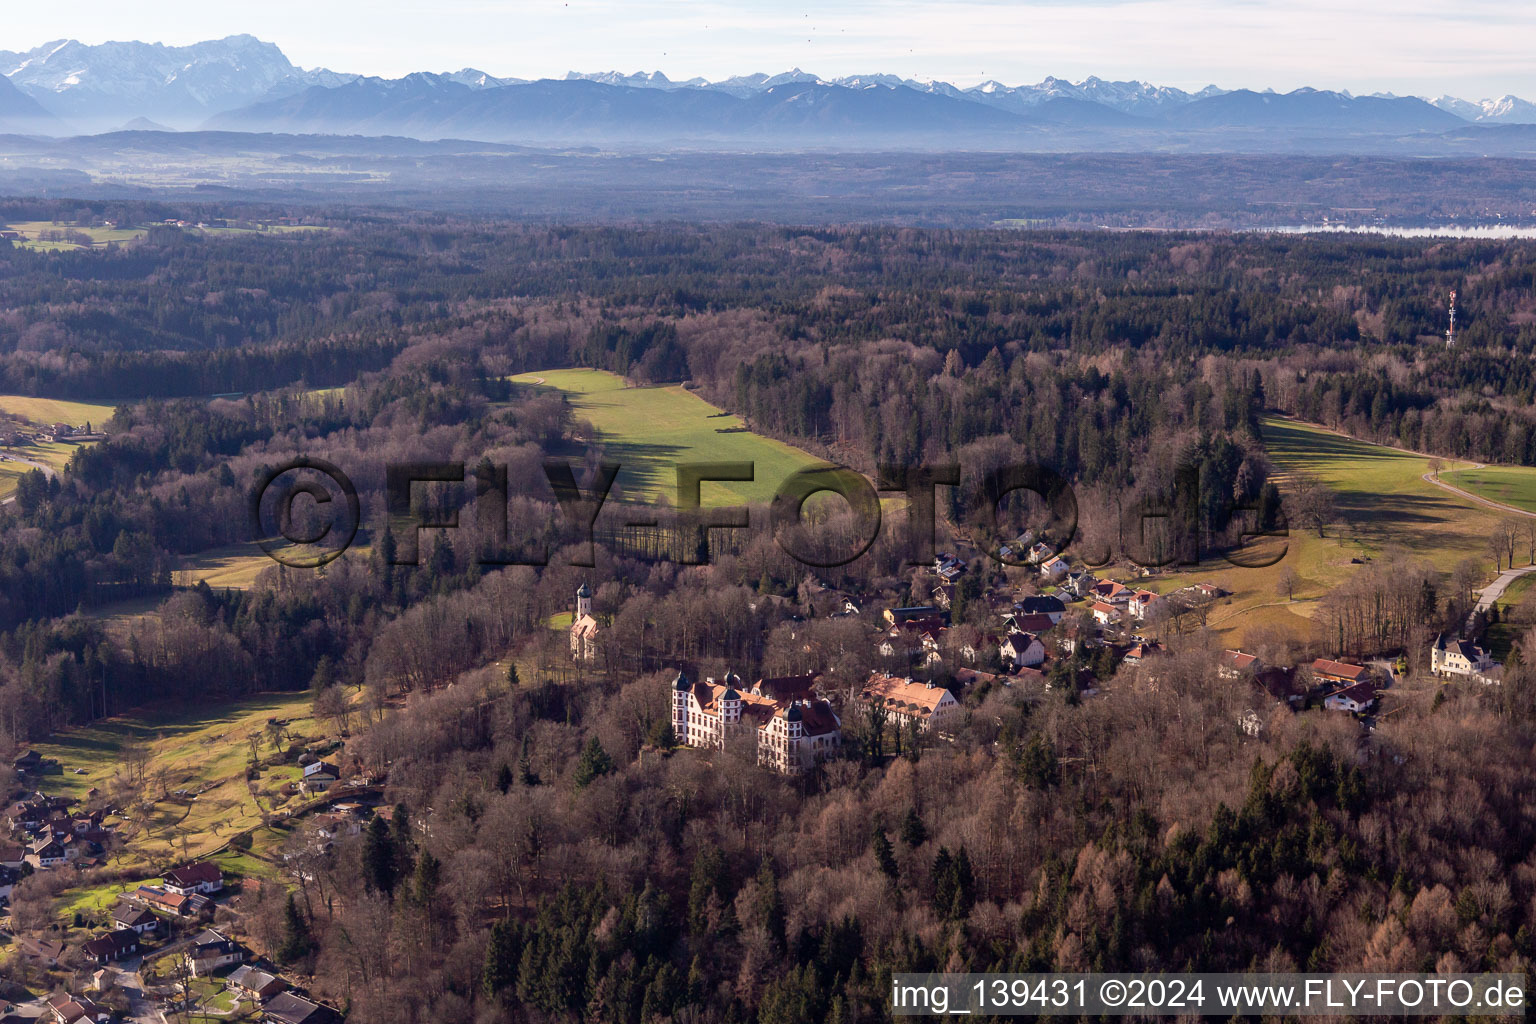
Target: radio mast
1450, 332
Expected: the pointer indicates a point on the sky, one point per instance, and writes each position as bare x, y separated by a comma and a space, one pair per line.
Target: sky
1470, 48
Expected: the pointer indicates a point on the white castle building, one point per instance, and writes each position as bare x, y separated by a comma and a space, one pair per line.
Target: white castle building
794, 728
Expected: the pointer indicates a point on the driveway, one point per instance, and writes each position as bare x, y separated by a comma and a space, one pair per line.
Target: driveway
1495, 590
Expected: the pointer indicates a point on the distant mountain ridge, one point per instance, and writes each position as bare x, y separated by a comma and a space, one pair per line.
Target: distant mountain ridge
95, 87
242, 83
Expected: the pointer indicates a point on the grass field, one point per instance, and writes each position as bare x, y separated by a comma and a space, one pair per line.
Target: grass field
55, 455
1384, 504
32, 231
202, 751
235, 566
48, 411
1509, 485
649, 431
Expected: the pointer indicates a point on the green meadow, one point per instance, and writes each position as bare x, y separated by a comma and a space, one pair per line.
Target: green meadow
650, 431
201, 750
48, 411
1508, 485
1384, 505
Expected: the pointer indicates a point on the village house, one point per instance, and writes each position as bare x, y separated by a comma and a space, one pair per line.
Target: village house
176, 903
68, 1009
46, 853
113, 946
210, 950
1354, 699
926, 705
1054, 568
1039, 553
1043, 604
1104, 614
44, 951
1141, 602
1111, 592
199, 877
1452, 657
920, 614
1033, 623
287, 1008
319, 776
948, 567
584, 628
1078, 584
12, 856
255, 984
1340, 673
1024, 650
135, 917
794, 729
1236, 664
1142, 651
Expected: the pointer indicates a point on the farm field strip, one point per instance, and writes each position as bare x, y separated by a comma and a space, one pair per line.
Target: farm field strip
650, 430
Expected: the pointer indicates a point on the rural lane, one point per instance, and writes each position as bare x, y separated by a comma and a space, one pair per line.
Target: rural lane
48, 471
1495, 590
1433, 478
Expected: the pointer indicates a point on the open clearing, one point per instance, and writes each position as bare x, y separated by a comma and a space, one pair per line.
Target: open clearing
1384, 505
48, 411
649, 431
47, 236
201, 751
233, 567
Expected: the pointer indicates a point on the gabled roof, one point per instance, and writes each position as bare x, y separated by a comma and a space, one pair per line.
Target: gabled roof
1338, 669
1238, 659
131, 915
198, 873
1360, 693
112, 944
905, 694
291, 1009
1041, 604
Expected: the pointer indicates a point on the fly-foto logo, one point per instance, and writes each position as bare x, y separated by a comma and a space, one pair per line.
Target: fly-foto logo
306, 512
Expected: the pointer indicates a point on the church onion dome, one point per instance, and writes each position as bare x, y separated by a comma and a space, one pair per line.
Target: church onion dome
583, 590
730, 694
732, 679
680, 683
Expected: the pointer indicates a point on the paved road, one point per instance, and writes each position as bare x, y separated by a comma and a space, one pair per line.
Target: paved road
1433, 478
48, 471
1495, 590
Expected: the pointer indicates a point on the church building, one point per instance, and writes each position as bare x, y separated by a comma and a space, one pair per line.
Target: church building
584, 627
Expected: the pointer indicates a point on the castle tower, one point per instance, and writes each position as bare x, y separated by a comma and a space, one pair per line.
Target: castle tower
730, 706
680, 690
795, 724
583, 600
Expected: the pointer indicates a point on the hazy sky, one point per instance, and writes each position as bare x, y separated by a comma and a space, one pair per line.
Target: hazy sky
1475, 49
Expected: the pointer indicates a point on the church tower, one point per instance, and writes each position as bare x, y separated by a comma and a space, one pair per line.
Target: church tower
583, 600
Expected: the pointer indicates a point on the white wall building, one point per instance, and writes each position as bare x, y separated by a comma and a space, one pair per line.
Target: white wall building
794, 729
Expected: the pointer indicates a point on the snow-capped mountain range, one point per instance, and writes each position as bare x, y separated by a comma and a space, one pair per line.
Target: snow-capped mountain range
94, 88
243, 83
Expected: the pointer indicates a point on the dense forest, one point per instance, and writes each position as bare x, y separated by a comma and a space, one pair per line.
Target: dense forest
547, 857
